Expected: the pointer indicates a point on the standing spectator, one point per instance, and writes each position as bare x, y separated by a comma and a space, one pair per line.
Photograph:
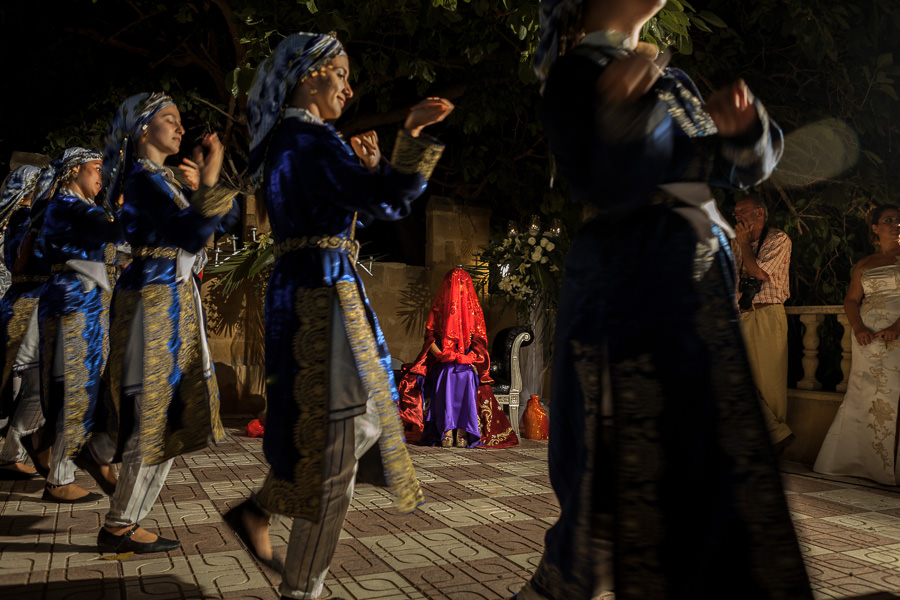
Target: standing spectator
762, 256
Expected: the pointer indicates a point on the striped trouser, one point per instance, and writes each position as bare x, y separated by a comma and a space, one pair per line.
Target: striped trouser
139, 484
311, 545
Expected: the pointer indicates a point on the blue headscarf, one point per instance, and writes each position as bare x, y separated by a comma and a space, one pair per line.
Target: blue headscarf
129, 122
54, 175
556, 16
17, 185
294, 59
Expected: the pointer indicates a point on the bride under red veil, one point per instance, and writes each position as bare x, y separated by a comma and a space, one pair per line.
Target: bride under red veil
454, 334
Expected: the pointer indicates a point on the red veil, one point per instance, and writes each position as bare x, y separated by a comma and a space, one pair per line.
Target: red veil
457, 322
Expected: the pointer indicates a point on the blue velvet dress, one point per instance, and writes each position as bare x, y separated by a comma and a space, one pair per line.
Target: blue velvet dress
78, 240
21, 299
316, 305
657, 442
156, 316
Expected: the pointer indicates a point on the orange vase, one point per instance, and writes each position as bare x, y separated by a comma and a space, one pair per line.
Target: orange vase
534, 424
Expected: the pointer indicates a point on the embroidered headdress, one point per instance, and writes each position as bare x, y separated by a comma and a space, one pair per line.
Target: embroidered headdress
295, 58
54, 175
130, 120
18, 184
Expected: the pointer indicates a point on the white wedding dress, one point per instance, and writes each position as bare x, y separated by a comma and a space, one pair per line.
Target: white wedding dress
862, 440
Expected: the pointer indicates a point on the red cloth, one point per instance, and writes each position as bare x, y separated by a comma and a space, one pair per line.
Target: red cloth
255, 428
456, 327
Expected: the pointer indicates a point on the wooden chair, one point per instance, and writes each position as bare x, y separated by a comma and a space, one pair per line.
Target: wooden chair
506, 370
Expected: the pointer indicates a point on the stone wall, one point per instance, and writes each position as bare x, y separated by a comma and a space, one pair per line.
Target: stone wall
400, 294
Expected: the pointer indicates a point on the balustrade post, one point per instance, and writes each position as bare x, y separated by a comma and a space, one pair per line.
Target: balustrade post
846, 352
810, 359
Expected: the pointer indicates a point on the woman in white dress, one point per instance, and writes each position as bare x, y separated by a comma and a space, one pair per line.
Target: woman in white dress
862, 440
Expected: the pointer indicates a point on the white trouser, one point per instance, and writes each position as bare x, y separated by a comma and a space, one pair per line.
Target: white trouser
28, 416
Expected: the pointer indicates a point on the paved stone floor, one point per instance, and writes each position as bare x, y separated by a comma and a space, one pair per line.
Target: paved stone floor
478, 537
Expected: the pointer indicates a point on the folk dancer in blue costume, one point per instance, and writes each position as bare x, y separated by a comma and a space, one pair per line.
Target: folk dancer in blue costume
658, 451
161, 379
20, 392
330, 391
77, 239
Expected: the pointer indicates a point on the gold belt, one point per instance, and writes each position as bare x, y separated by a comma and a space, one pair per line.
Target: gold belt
325, 242
149, 252
60, 268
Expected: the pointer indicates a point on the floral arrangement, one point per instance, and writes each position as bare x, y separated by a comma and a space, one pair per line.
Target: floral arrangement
525, 268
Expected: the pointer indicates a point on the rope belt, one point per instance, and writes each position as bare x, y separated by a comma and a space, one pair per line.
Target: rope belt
326, 242
149, 252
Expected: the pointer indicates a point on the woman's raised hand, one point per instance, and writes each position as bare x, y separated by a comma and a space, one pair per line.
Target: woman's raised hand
427, 112
732, 109
365, 145
208, 156
191, 173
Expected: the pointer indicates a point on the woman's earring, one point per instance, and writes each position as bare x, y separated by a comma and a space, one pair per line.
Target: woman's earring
144, 129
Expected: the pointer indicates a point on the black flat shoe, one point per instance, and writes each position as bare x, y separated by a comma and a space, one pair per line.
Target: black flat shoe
89, 497
235, 519
85, 461
110, 542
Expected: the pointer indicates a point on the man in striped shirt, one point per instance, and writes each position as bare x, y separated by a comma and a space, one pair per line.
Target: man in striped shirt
762, 257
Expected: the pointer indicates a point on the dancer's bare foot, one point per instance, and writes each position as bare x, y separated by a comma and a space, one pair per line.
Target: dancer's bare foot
257, 528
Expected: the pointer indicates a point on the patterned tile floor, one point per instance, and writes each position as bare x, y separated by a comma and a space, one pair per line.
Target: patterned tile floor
478, 537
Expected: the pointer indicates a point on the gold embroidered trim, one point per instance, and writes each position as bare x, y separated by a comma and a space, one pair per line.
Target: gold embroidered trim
22, 310
302, 497
30, 278
60, 268
75, 397
416, 155
109, 258
159, 329
330, 242
197, 393
398, 468
148, 252
213, 201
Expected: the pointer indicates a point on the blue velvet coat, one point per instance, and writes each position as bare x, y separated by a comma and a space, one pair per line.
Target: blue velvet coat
166, 226
75, 307
314, 189
657, 441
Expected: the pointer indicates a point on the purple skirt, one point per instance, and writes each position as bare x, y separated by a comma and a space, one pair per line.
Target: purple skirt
450, 394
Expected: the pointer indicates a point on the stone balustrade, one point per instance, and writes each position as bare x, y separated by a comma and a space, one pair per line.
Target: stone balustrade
811, 408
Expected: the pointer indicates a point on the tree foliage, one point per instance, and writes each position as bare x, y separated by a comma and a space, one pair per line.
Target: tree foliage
809, 62
826, 71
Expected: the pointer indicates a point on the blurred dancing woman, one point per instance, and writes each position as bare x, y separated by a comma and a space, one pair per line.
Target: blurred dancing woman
329, 385
73, 321
20, 386
658, 451
161, 378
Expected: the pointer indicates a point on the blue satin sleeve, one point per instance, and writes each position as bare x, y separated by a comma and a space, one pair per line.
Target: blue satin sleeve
152, 217
75, 229
615, 156
315, 183
16, 228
